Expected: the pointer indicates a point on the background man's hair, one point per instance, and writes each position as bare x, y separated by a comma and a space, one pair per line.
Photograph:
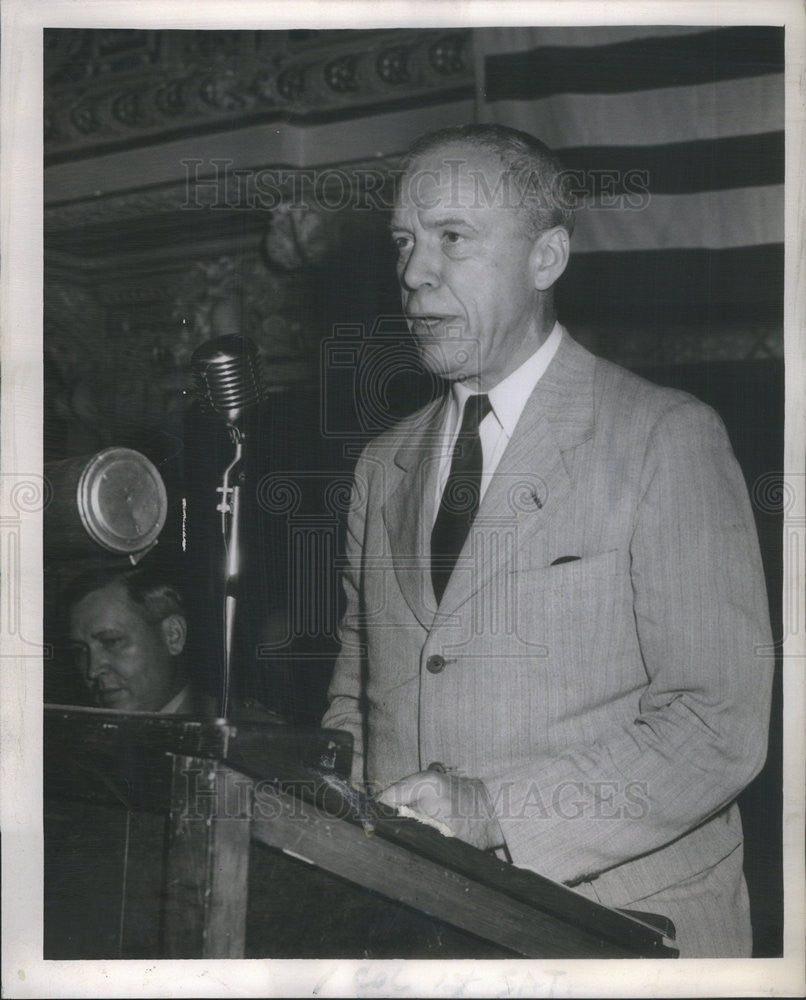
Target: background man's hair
149, 591
543, 187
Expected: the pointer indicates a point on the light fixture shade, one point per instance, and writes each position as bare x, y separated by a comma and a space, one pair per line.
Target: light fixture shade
113, 500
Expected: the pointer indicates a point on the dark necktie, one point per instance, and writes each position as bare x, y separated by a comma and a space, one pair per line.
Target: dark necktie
460, 499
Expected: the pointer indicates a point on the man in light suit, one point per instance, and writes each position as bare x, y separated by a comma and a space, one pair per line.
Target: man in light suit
579, 674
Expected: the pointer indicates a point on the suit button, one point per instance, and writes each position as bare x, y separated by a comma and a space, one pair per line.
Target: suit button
435, 664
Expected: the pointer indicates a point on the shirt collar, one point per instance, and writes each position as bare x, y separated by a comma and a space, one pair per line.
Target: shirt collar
176, 701
509, 397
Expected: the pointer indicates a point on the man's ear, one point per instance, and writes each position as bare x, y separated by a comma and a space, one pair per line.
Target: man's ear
174, 632
549, 256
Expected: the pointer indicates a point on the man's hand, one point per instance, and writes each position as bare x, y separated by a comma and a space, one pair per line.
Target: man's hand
461, 804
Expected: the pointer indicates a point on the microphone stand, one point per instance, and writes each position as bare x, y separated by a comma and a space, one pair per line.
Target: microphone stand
229, 379
230, 510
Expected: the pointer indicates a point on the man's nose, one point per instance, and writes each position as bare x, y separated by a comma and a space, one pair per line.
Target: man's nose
96, 663
421, 268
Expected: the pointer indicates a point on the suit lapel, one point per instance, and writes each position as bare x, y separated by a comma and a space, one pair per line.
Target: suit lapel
534, 476
409, 512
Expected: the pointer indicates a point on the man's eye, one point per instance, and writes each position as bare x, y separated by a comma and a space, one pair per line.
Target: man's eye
111, 641
401, 242
451, 238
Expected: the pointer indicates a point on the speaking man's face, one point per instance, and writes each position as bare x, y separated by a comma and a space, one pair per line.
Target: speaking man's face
125, 661
464, 266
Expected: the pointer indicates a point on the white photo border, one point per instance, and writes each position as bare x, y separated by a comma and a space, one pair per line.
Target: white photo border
25, 974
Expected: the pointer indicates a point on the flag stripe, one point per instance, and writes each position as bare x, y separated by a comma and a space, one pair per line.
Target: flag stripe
522, 37
681, 168
665, 115
741, 285
637, 64
676, 140
712, 219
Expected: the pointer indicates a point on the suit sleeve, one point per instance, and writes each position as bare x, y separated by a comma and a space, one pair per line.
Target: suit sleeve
702, 625
344, 694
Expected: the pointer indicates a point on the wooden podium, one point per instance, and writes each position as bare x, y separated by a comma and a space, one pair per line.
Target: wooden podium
205, 815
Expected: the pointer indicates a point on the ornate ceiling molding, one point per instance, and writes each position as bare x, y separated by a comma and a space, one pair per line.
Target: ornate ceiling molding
119, 207
114, 89
234, 208
228, 190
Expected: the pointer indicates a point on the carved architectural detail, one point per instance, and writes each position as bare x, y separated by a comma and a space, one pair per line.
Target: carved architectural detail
229, 294
300, 237
341, 74
68, 309
447, 54
291, 84
104, 87
210, 186
392, 65
130, 205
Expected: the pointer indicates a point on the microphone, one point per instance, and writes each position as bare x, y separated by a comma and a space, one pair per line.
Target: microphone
229, 376
230, 379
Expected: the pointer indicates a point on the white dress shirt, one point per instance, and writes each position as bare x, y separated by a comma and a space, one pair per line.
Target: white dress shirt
507, 400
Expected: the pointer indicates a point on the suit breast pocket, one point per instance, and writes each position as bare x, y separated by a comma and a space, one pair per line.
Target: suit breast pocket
579, 613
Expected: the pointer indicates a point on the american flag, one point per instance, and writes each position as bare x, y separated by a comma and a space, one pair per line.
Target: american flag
676, 134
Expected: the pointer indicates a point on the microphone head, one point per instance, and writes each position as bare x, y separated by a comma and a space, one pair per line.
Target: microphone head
229, 376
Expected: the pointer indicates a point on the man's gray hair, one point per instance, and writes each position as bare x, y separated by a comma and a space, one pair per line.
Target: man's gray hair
542, 187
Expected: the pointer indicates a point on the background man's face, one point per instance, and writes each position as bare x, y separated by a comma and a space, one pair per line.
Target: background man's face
124, 660
463, 266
